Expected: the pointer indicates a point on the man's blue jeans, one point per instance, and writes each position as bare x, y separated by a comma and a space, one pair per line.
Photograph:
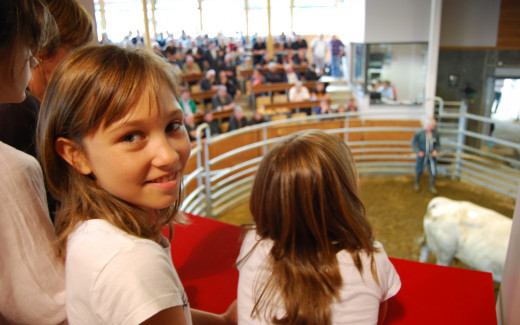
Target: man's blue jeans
335, 67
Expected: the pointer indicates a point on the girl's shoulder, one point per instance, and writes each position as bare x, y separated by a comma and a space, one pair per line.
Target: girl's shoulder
98, 238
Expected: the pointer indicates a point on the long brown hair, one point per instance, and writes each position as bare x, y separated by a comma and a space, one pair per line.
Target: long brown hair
305, 199
74, 23
96, 86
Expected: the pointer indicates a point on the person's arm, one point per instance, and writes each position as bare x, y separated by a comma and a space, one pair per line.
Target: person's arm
230, 317
169, 316
383, 308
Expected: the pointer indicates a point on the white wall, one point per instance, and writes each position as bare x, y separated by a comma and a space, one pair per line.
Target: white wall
351, 21
390, 21
470, 23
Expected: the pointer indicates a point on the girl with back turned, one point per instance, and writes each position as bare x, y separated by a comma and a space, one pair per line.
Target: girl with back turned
311, 258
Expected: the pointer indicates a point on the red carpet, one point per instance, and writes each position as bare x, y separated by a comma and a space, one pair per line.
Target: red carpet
204, 253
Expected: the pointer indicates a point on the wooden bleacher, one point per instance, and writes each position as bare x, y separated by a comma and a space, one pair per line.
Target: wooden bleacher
199, 117
192, 78
247, 73
201, 95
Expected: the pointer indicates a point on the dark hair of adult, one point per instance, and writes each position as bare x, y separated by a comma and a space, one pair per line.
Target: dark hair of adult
24, 22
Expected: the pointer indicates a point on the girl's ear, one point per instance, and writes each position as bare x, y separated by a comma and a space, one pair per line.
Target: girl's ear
72, 153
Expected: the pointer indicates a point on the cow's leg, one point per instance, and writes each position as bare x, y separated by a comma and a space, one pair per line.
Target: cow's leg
444, 258
425, 252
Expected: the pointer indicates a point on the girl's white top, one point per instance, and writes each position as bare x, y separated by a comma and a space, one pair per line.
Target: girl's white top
113, 277
360, 295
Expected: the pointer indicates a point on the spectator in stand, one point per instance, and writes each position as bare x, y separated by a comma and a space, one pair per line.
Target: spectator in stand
197, 53
352, 107
321, 89
232, 87
272, 74
259, 50
208, 82
266, 59
290, 75
211, 57
238, 120
257, 118
300, 58
222, 101
187, 104
299, 93
214, 125
310, 73
319, 52
336, 51
278, 50
190, 66
300, 44
191, 128
229, 67
324, 107
257, 78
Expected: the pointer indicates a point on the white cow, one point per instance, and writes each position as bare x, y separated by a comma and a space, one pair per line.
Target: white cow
476, 236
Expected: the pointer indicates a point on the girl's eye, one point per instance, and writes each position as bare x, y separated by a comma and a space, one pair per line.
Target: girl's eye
173, 126
131, 137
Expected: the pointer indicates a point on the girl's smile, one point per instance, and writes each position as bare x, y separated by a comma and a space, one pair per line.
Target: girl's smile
165, 182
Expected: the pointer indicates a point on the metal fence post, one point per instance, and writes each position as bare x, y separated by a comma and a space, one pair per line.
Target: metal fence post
461, 138
209, 204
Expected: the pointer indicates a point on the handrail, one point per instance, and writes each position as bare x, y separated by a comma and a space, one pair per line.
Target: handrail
226, 163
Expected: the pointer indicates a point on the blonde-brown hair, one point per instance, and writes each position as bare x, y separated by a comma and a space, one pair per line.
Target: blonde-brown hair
305, 199
93, 87
74, 24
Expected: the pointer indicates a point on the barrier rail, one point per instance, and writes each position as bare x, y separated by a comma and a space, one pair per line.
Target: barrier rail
221, 168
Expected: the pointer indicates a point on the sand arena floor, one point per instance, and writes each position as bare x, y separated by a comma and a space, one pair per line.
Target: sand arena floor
396, 211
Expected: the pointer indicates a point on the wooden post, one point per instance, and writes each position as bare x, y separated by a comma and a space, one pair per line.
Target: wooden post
154, 22
247, 20
200, 15
147, 42
102, 12
269, 41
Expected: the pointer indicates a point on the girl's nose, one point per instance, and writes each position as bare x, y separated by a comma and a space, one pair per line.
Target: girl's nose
164, 152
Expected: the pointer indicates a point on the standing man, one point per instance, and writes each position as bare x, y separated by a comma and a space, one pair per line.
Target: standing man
426, 145
319, 51
336, 50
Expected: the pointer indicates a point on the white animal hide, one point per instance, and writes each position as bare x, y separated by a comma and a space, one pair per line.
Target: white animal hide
477, 236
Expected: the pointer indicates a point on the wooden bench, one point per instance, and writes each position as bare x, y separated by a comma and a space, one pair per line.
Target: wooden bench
192, 78
291, 105
247, 73
198, 117
201, 95
278, 86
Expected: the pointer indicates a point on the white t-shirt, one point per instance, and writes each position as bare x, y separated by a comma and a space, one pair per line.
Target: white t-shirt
32, 277
360, 296
299, 96
320, 47
113, 277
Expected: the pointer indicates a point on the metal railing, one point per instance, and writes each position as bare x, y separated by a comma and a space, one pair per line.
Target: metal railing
223, 167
